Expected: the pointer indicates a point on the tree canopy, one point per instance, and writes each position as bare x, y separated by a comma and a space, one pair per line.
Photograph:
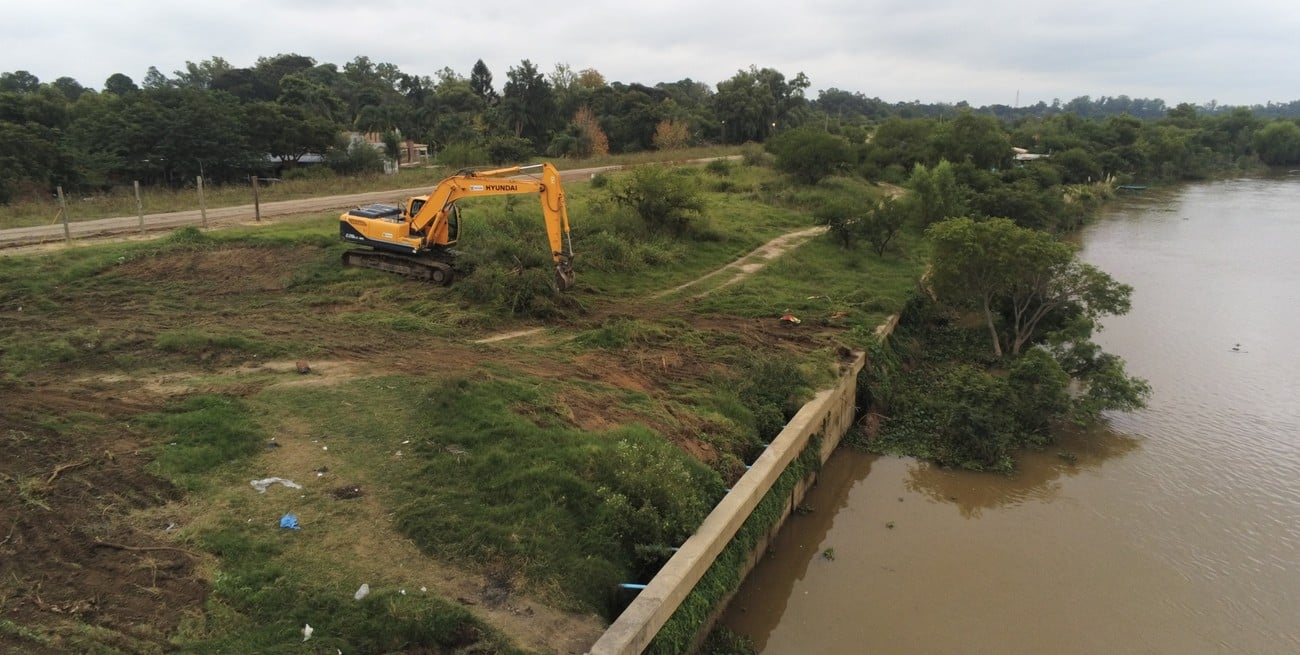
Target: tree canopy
1018, 279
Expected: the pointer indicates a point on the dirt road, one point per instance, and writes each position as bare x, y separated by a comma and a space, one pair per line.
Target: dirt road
21, 237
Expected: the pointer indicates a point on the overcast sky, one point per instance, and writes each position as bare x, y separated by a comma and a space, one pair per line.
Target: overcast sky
995, 51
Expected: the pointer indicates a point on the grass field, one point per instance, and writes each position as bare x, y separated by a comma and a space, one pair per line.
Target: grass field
491, 495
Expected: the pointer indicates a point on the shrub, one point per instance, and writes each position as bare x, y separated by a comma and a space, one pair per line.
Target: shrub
462, 155
665, 201
509, 149
641, 487
809, 153
307, 173
753, 155
722, 167
355, 158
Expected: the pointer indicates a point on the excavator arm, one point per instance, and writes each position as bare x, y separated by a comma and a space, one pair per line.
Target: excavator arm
432, 216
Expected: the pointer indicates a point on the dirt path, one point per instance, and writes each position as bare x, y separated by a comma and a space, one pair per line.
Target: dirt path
745, 266
721, 278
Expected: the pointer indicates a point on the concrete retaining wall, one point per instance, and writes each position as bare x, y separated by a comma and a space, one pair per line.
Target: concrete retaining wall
830, 414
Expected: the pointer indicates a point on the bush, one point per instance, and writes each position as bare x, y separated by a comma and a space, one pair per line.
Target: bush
842, 216
509, 149
773, 390
753, 154
722, 167
462, 155
307, 173
809, 153
641, 487
355, 158
664, 200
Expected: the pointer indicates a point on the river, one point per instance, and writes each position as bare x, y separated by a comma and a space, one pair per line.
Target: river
1176, 530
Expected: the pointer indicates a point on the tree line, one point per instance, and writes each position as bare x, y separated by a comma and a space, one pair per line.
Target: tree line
224, 122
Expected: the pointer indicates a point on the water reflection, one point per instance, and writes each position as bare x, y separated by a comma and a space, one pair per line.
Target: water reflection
797, 545
1036, 478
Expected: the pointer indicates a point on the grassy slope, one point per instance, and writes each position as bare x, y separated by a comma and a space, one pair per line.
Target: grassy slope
500, 462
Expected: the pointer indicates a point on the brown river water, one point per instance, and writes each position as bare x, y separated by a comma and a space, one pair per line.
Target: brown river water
1177, 530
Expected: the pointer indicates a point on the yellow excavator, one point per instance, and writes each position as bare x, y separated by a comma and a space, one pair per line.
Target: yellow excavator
416, 239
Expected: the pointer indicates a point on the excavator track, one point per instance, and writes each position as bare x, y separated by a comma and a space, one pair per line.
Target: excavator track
419, 268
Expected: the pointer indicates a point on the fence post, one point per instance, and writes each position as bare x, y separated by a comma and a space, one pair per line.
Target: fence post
139, 206
63, 209
257, 204
203, 205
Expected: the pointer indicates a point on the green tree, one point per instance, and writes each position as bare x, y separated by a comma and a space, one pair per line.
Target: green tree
286, 132
19, 82
884, 221
937, 192
1022, 200
1278, 143
1077, 166
200, 75
1102, 382
1017, 278
480, 82
70, 88
974, 138
809, 153
527, 102
120, 84
1040, 390
899, 144
755, 102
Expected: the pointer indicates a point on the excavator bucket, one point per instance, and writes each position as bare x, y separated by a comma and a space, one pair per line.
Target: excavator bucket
564, 275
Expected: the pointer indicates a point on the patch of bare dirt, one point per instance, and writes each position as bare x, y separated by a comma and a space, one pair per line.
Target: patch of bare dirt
226, 271
68, 555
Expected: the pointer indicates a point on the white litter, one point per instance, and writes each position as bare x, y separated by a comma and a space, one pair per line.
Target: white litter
362, 592
261, 485
306, 631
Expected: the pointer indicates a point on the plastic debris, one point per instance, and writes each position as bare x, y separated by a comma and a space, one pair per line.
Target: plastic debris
289, 521
790, 319
306, 631
261, 485
362, 592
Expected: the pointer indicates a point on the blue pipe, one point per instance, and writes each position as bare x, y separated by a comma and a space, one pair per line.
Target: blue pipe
630, 585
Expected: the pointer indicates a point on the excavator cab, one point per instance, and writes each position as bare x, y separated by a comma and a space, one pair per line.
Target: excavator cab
453, 224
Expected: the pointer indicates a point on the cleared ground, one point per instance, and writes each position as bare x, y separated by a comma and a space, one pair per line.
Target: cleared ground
86, 530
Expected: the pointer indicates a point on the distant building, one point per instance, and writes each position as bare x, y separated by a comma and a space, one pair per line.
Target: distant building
412, 153
1025, 155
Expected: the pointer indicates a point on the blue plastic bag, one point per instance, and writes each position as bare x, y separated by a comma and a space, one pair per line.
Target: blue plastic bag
289, 521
